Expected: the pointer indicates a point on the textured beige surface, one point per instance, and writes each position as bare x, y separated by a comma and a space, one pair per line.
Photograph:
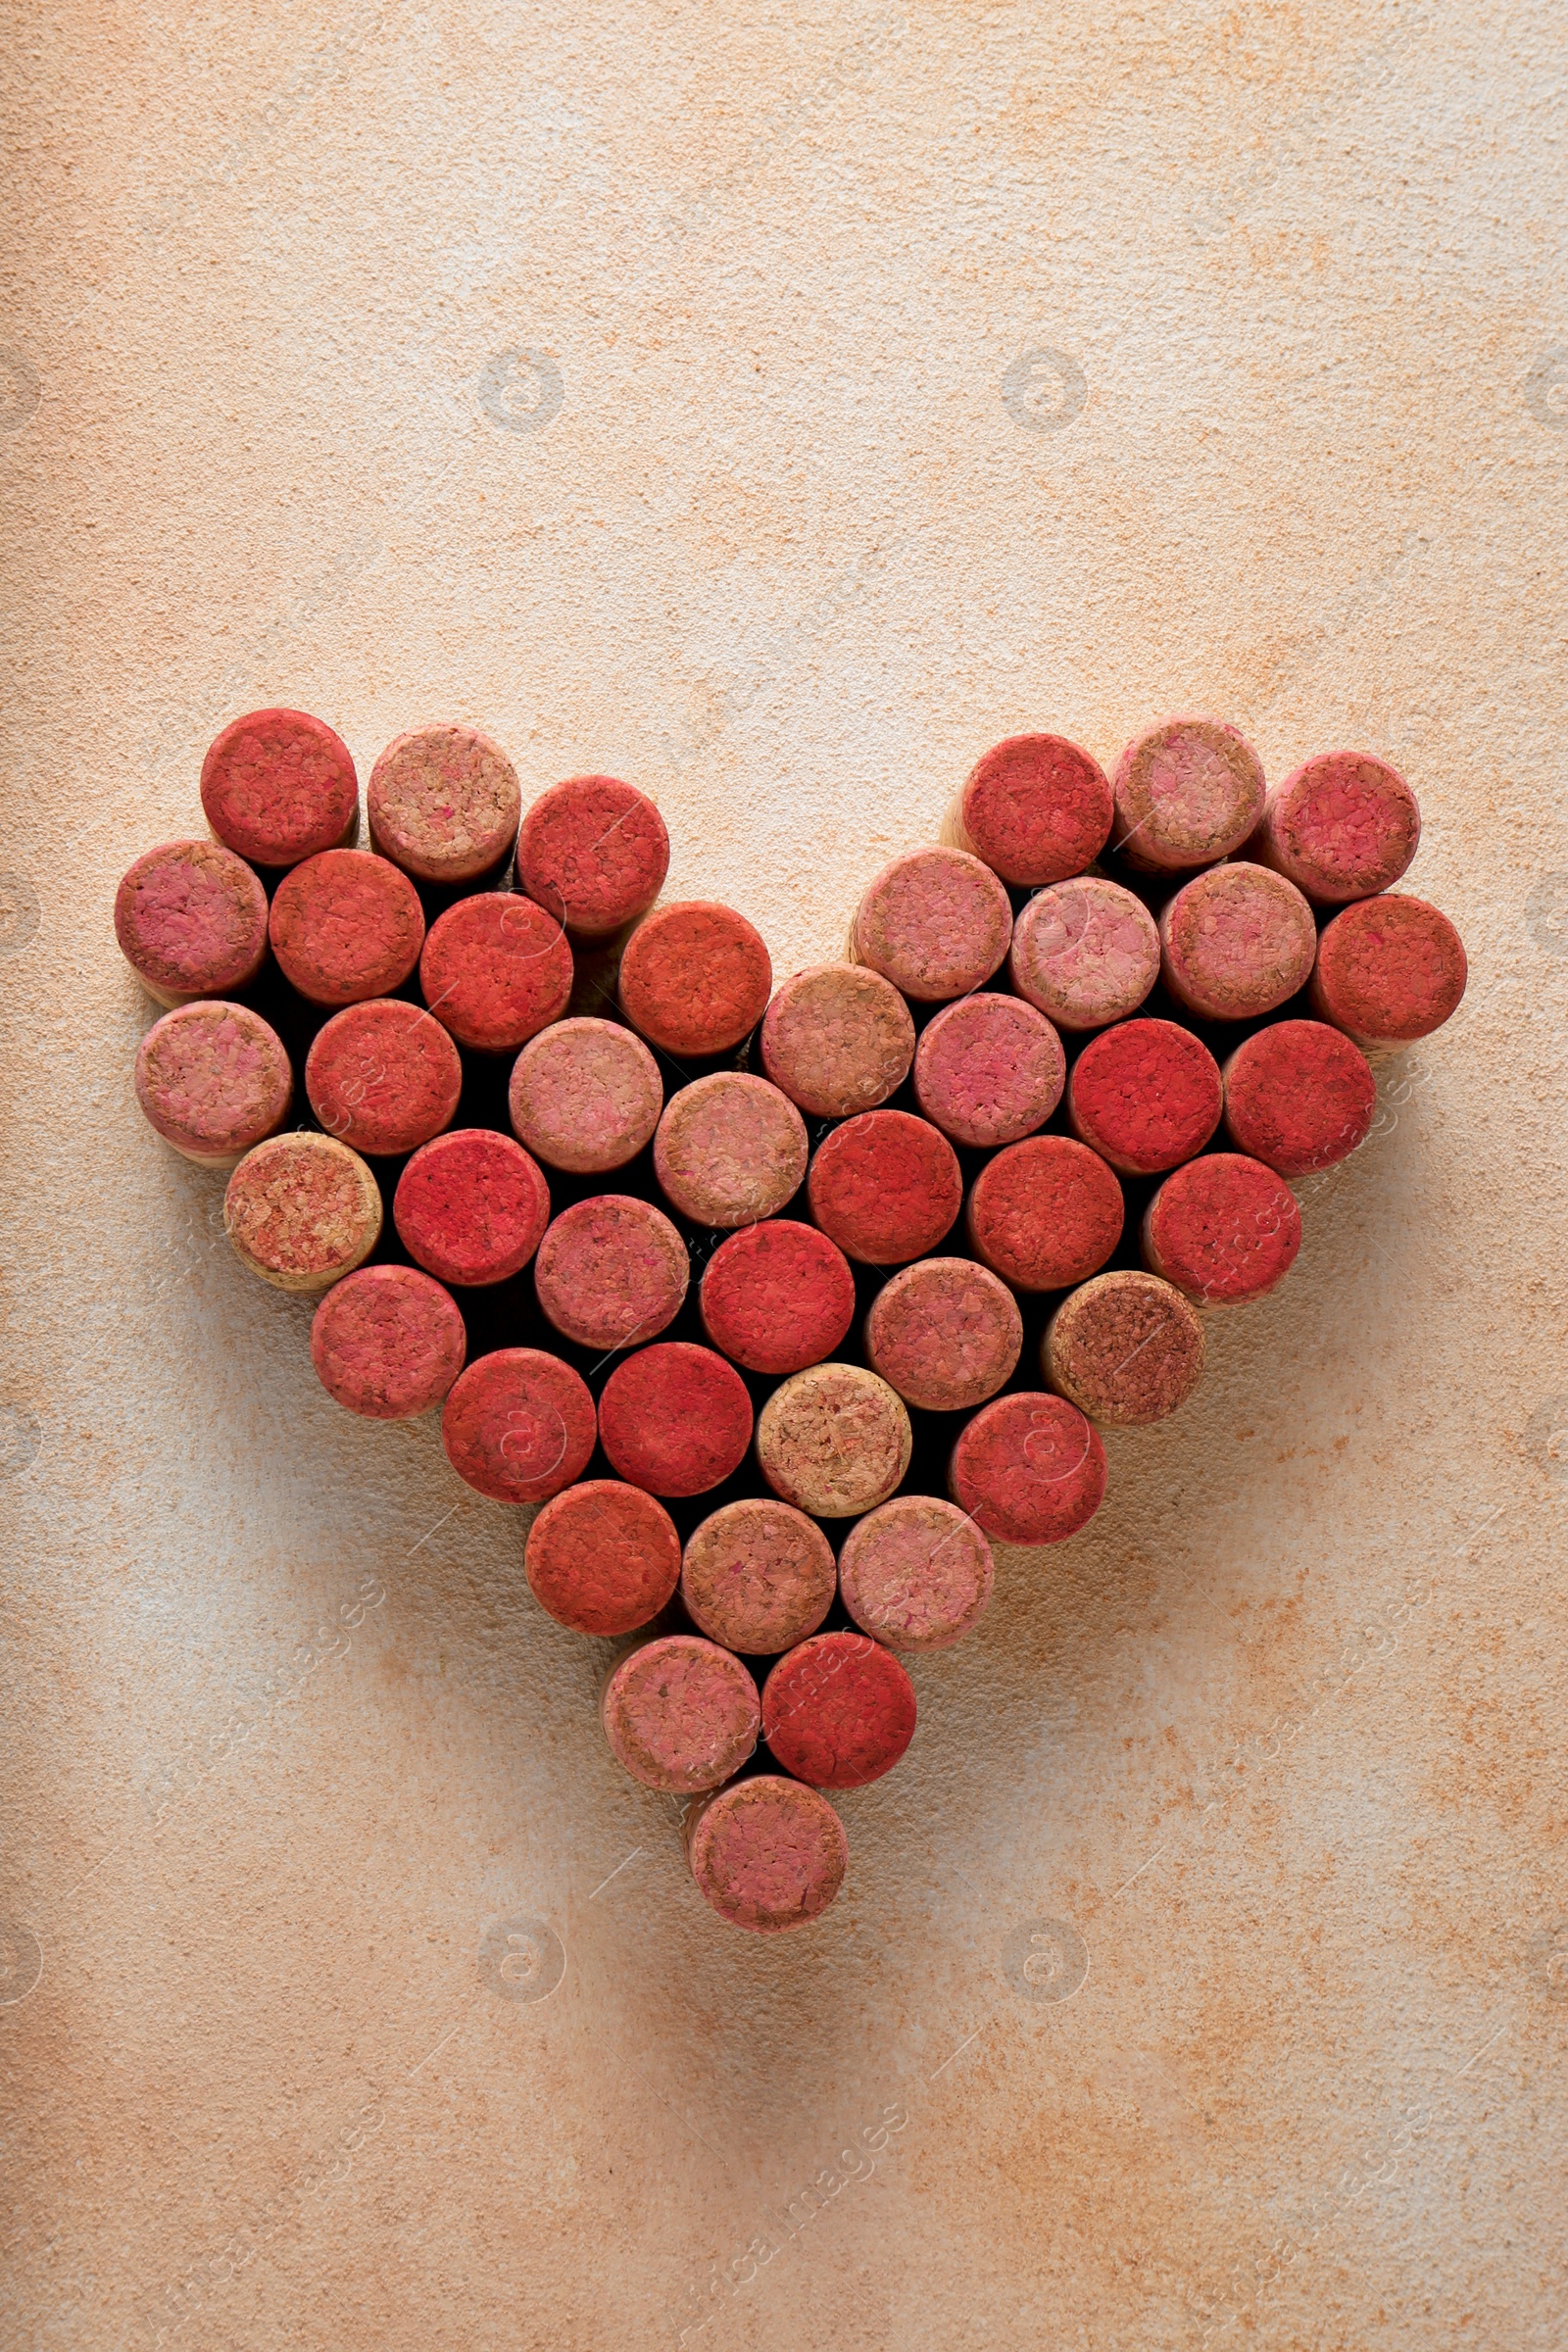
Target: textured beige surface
769, 526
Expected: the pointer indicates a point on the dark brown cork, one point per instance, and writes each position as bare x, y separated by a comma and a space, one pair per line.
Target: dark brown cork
1126, 1349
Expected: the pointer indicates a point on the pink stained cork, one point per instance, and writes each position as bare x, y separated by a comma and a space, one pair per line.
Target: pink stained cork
1036, 808
1028, 1469
675, 1419
681, 1714
519, 1425
767, 1853
471, 1208
757, 1576
603, 1558
834, 1441
1342, 826
1126, 1349
213, 1080
302, 1211
384, 1077
989, 1069
585, 1097
695, 978
444, 803
916, 1574
730, 1150
612, 1272
1298, 1096
595, 853
838, 1038
936, 923
838, 1711
885, 1187
1188, 792
1146, 1095
346, 926
1236, 942
278, 786
495, 970
945, 1333
1045, 1214
191, 921
387, 1343
1222, 1229
1389, 970
1085, 954
777, 1296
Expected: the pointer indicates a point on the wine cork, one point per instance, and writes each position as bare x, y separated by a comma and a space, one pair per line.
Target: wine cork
1126, 1349
757, 1576
1342, 826
838, 1711
301, 1210
387, 1343
730, 1150
191, 921
595, 853
495, 970
767, 1853
1146, 1095
1036, 808
834, 1441
213, 1080
885, 1187
278, 786
603, 1558
936, 923
988, 1071
916, 1574
1085, 954
1236, 942
1389, 970
1028, 1469
675, 1419
1045, 1214
383, 1076
346, 926
681, 1714
471, 1208
1188, 792
444, 803
838, 1038
1222, 1229
945, 1333
611, 1272
777, 1296
519, 1427
695, 978
585, 1097
1298, 1096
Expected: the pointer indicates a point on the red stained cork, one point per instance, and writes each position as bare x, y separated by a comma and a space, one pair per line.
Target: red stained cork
758, 1577
585, 1097
346, 926
1188, 791
886, 1187
777, 1296
916, 1574
1389, 970
471, 1208
301, 1210
945, 1333
1222, 1229
384, 1077
1342, 826
838, 1711
387, 1343
1235, 943
675, 1419
1298, 1096
444, 803
695, 978
519, 1427
595, 853
838, 1038
1037, 808
989, 1069
603, 1558
213, 1080
767, 1853
1126, 1349
1028, 1469
611, 1271
1045, 1214
730, 1150
936, 923
496, 969
681, 1714
191, 921
834, 1441
1085, 954
1145, 1095
278, 786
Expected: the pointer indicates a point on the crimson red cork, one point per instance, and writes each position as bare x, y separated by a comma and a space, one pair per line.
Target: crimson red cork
603, 1558
695, 978
1298, 1096
346, 926
916, 1574
681, 1714
1036, 808
1028, 1469
1125, 1348
1222, 1229
730, 1148
777, 1296
1085, 954
1045, 1214
945, 1333
444, 803
767, 1853
1389, 970
387, 1343
213, 1080
278, 786
989, 1070
1146, 1095
1188, 792
838, 1711
936, 923
520, 1426
886, 1187
757, 1576
1236, 942
611, 1272
1343, 825
495, 970
675, 1419
302, 1211
595, 853
834, 1441
191, 921
471, 1208
838, 1038
384, 1077
585, 1097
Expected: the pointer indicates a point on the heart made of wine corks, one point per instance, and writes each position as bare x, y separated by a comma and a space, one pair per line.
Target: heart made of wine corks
730, 1278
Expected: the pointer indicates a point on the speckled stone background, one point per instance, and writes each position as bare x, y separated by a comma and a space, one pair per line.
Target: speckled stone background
774, 408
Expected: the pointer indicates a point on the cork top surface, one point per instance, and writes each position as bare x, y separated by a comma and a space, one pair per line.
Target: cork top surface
191, 920
612, 1272
1037, 808
346, 926
495, 970
730, 1148
838, 1038
1299, 1096
278, 786
1188, 791
444, 802
585, 1097
769, 1853
917, 1573
1237, 942
301, 1210
518, 1425
594, 850
936, 923
1085, 952
834, 1441
1389, 970
383, 1076
603, 1557
213, 1079
1126, 1349
387, 1342
777, 1296
695, 978
1342, 825
759, 1576
945, 1333
681, 1714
